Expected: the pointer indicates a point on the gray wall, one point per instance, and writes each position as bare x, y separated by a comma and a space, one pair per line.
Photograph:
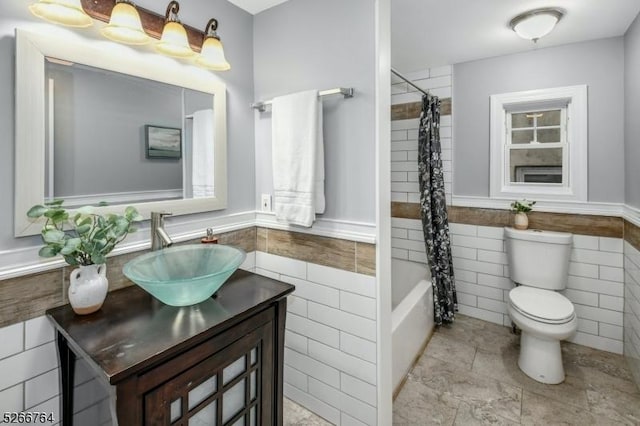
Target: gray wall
632, 112
309, 44
598, 64
236, 30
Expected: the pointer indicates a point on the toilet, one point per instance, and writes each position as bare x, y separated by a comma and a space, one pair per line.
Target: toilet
539, 265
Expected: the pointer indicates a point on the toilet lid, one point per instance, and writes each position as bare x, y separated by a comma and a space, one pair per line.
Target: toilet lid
542, 305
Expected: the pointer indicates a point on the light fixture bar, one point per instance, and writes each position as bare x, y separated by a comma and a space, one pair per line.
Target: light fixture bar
152, 22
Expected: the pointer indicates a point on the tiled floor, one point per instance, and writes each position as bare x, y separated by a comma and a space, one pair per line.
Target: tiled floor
468, 375
295, 415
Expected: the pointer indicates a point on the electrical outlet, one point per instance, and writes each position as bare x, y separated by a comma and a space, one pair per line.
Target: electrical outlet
266, 202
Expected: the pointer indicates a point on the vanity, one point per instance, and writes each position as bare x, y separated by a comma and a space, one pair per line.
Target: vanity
219, 362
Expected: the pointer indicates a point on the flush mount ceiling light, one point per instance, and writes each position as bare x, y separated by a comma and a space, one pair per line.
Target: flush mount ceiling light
124, 24
536, 23
65, 12
212, 54
174, 41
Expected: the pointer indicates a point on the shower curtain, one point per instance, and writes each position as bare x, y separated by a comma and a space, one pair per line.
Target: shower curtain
435, 223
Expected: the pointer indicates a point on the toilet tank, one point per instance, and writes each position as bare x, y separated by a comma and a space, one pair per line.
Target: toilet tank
538, 258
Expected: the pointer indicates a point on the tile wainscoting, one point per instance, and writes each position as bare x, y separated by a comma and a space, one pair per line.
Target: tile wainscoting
596, 275
331, 327
330, 342
632, 298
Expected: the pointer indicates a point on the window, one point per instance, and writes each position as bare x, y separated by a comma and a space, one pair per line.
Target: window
539, 144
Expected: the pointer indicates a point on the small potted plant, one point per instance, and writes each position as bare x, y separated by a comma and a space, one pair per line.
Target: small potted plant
521, 208
84, 239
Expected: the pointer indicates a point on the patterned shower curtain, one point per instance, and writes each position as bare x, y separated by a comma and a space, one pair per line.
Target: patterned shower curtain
435, 223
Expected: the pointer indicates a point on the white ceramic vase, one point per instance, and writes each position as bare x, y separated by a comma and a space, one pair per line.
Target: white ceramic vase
521, 221
88, 288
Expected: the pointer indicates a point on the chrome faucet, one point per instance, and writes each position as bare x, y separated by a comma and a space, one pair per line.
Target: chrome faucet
159, 237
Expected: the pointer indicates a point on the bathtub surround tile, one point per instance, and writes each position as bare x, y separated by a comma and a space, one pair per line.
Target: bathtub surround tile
597, 390
412, 110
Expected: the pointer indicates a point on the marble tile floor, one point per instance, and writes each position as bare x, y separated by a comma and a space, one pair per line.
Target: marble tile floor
295, 415
468, 375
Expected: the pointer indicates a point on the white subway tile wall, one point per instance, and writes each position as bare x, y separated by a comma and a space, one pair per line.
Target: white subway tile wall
595, 284
632, 309
29, 375
404, 134
330, 342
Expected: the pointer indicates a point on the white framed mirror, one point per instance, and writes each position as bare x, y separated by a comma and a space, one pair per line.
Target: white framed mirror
99, 123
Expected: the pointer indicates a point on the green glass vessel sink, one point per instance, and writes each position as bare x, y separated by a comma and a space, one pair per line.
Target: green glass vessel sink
184, 275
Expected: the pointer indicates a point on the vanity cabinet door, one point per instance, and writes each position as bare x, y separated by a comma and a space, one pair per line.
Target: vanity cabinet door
233, 386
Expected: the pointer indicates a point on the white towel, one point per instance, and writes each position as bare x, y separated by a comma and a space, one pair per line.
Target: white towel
298, 157
202, 154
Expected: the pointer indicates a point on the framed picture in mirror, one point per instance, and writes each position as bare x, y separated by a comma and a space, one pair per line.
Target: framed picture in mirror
162, 142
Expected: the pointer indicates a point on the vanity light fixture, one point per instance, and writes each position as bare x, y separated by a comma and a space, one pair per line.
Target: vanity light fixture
174, 41
212, 54
537, 23
125, 25
65, 12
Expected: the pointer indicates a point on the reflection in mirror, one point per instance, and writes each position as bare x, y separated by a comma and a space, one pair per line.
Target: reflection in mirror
120, 139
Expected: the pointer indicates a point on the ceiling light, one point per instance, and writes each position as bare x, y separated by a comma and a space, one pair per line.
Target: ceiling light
212, 54
124, 25
65, 12
536, 23
174, 41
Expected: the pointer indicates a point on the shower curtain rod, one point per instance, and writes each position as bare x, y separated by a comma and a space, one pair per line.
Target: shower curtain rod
393, 70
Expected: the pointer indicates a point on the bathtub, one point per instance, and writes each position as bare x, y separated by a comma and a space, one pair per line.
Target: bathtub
412, 315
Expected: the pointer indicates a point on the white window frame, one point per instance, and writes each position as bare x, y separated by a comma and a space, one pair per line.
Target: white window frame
575, 144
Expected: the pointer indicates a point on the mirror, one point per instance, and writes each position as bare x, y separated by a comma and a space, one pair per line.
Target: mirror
159, 136
96, 127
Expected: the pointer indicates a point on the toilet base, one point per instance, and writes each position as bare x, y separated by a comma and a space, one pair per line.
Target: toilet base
541, 359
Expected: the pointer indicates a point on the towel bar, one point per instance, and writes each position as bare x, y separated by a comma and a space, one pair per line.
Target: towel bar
347, 92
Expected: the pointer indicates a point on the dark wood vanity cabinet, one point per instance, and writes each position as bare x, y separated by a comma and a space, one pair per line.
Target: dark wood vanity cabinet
216, 363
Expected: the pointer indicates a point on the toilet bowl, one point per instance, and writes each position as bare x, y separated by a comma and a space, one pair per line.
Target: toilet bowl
545, 318
538, 264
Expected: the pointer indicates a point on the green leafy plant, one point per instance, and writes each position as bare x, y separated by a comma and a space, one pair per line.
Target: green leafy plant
84, 238
523, 206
